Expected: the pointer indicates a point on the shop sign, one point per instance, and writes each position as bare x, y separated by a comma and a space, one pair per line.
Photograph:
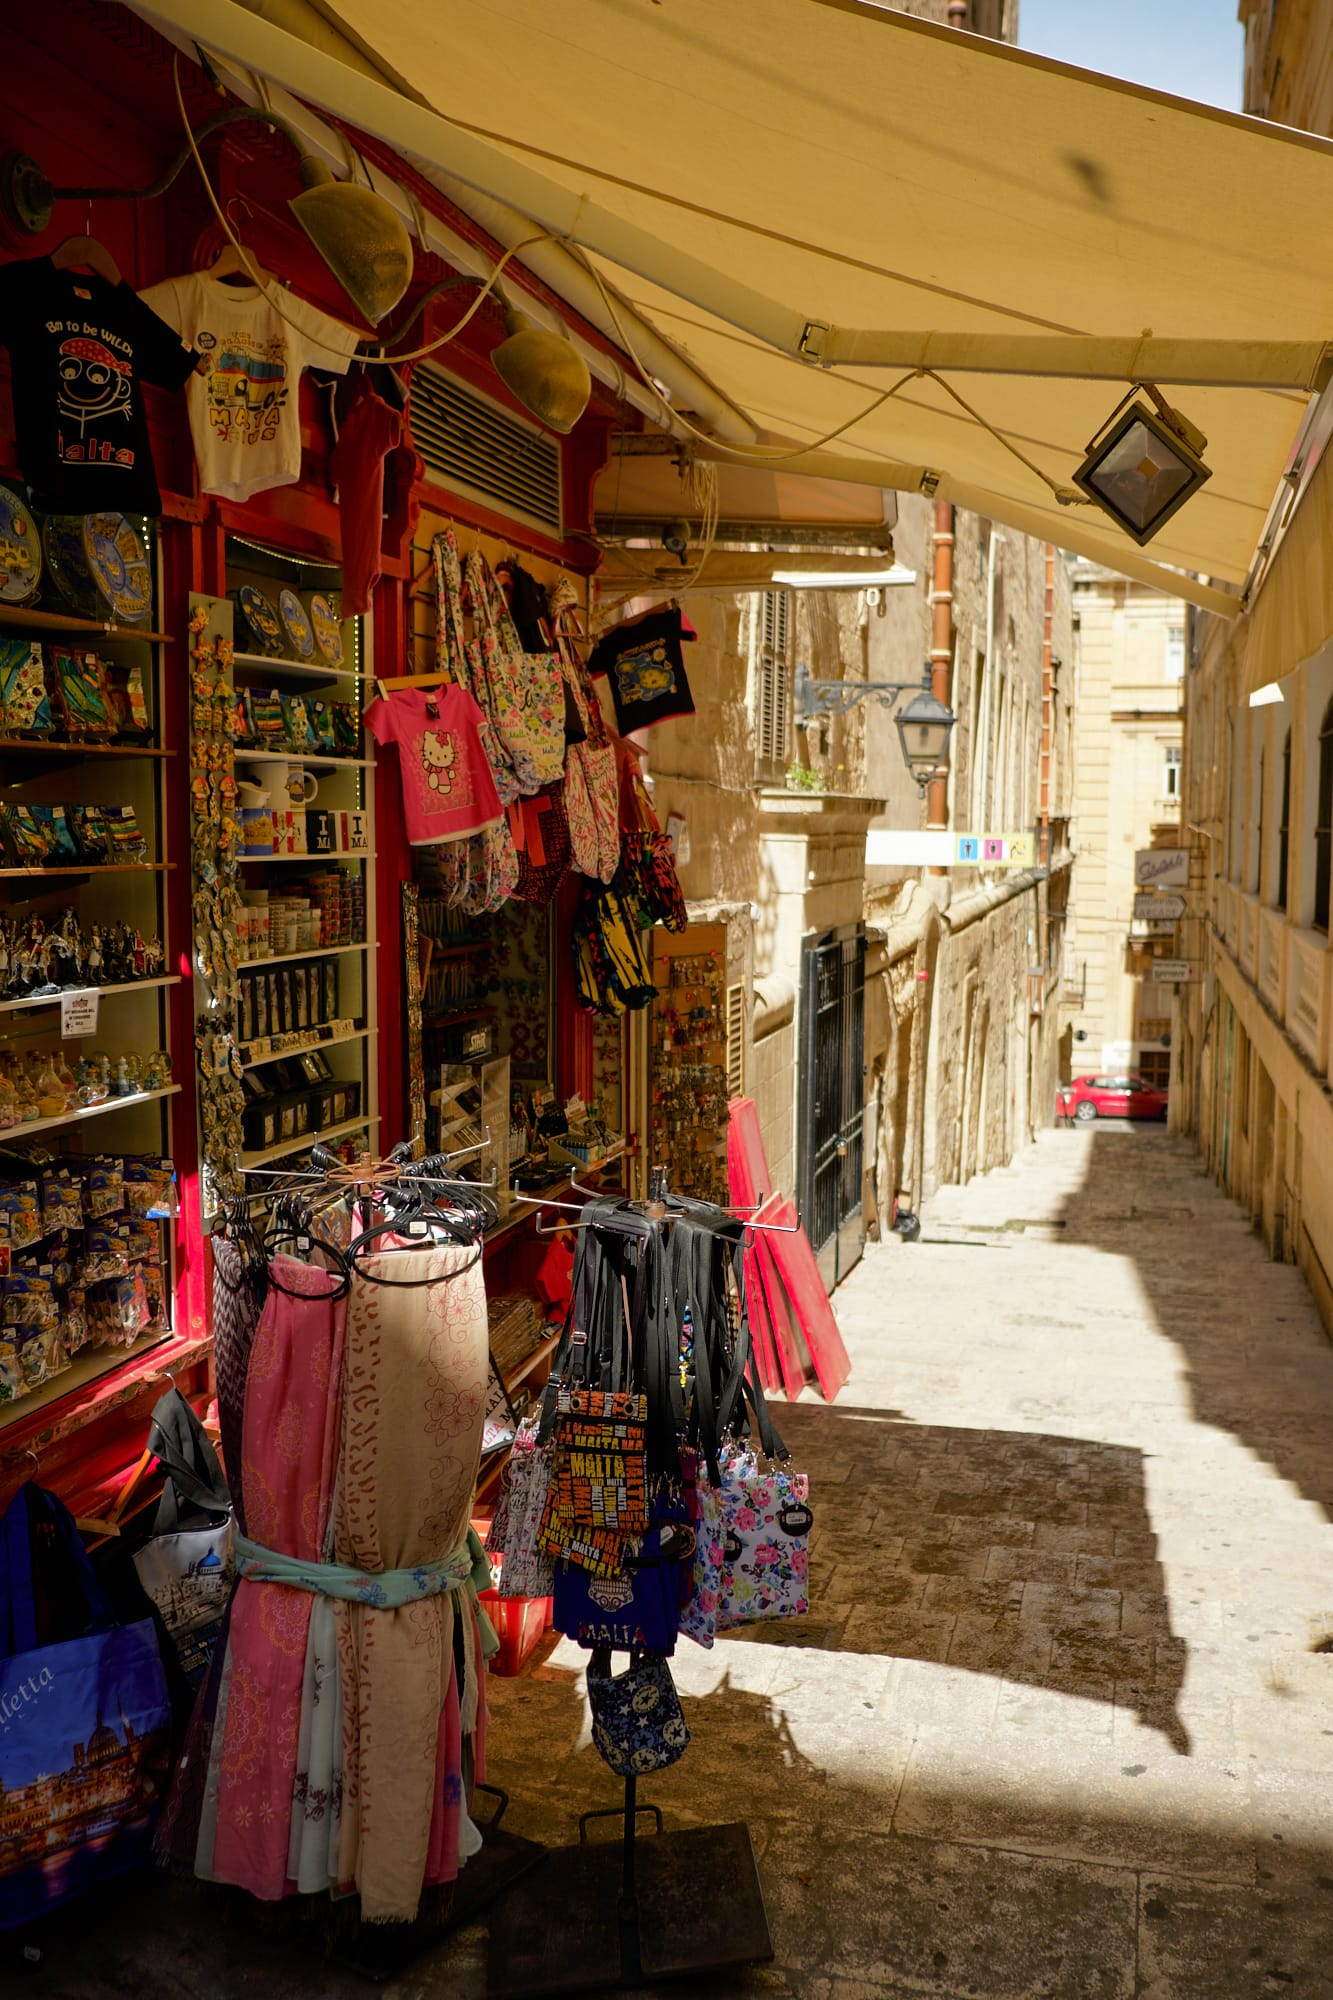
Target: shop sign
78, 1013
1172, 971
1153, 909
1162, 868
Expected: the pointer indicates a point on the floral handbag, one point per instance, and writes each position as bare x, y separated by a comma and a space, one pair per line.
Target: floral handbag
765, 1531
463, 659
698, 1613
528, 1570
638, 1724
527, 691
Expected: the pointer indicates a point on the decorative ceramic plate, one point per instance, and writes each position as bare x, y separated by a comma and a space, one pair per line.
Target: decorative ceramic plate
118, 564
260, 629
328, 632
20, 550
296, 625
62, 542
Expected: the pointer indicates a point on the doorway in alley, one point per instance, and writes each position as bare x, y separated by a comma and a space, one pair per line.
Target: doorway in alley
832, 1071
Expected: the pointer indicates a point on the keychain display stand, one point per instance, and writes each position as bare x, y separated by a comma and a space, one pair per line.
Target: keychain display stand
629, 1912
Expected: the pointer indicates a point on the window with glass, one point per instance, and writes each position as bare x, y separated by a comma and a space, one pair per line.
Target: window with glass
1323, 824
1173, 758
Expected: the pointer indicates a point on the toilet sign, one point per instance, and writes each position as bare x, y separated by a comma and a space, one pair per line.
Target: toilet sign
994, 850
1162, 868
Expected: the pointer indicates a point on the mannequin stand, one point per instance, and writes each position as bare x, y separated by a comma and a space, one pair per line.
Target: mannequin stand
624, 1914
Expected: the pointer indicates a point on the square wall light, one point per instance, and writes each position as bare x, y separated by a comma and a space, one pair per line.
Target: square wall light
1141, 470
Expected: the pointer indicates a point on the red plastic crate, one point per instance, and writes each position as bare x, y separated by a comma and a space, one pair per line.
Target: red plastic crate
520, 1624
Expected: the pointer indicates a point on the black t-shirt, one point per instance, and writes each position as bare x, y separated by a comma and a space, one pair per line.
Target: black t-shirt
81, 351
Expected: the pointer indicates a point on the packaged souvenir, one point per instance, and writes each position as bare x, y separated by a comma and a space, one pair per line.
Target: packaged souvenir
150, 1187
346, 728
319, 715
78, 690
296, 721
62, 1205
27, 836
64, 847
105, 1186
265, 721
126, 699
25, 709
91, 835
12, 1384
124, 840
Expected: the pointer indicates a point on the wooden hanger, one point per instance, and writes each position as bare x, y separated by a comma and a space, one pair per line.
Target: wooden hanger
86, 250
438, 679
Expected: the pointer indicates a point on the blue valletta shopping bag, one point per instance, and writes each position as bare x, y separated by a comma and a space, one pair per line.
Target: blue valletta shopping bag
85, 1722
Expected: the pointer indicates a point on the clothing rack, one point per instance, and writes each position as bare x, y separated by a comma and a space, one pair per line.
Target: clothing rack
684, 1901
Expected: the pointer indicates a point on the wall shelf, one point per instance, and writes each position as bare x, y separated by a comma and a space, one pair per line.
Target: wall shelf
300, 957
298, 670
37, 873
75, 746
59, 621
304, 1048
308, 760
31, 1125
327, 854
122, 986
307, 1140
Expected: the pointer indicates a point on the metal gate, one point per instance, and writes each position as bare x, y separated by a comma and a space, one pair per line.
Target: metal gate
830, 1133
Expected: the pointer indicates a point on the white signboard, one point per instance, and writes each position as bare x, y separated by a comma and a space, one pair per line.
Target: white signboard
1170, 971
78, 1013
1162, 868
1153, 909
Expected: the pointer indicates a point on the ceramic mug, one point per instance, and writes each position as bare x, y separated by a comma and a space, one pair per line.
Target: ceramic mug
251, 793
291, 784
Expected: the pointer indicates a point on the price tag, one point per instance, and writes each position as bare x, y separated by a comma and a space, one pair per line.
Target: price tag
78, 1013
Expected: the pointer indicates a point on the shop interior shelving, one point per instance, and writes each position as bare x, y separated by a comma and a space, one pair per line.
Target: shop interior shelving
345, 783
133, 1015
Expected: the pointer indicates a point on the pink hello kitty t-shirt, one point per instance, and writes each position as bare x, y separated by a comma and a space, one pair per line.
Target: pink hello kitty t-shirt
448, 790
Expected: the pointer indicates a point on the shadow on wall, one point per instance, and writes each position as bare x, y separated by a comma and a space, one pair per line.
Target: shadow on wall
1184, 1253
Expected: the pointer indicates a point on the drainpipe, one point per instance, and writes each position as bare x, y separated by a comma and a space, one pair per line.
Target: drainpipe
941, 653
1047, 707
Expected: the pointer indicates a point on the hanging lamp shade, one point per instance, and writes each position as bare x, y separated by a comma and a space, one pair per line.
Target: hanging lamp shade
360, 236
544, 370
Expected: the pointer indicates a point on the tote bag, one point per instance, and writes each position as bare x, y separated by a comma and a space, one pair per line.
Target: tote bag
85, 1721
462, 659
526, 690
185, 1565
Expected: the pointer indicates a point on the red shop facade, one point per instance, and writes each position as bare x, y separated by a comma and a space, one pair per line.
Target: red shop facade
89, 92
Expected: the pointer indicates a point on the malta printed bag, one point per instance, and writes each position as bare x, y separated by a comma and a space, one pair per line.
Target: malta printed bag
766, 1532
638, 1725
185, 1565
641, 1607
85, 1720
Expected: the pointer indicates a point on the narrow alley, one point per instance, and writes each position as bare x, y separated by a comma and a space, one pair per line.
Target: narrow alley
1057, 1724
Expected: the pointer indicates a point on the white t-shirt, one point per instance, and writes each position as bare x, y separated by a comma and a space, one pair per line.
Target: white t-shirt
244, 414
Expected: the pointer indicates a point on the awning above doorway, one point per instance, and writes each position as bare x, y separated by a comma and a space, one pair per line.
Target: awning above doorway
812, 198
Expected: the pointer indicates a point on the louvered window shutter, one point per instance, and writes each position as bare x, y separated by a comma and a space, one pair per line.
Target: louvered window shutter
771, 681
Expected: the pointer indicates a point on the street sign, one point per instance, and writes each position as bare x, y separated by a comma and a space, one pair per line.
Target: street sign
994, 850
1152, 909
1162, 868
1171, 971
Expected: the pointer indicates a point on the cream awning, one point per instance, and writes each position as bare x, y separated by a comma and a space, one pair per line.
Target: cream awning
763, 177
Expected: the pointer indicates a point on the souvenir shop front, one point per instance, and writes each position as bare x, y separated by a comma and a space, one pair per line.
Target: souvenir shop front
328, 1008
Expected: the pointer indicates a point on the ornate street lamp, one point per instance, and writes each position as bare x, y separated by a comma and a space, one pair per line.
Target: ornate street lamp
924, 726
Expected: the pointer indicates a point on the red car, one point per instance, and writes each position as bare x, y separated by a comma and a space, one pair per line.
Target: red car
1089, 1097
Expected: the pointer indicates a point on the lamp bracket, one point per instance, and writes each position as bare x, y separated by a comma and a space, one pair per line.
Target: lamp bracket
819, 698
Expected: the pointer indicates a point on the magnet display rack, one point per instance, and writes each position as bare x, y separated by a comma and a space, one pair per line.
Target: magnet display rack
346, 784
133, 1016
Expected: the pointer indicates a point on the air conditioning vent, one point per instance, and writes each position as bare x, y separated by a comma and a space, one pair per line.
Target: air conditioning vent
475, 447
